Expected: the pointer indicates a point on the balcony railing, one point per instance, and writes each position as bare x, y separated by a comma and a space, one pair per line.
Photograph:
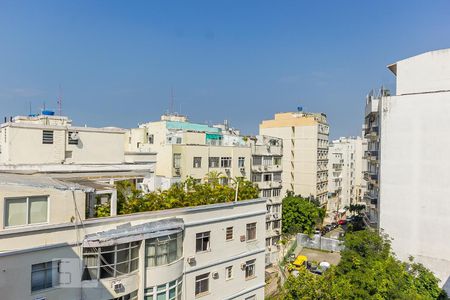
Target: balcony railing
370, 176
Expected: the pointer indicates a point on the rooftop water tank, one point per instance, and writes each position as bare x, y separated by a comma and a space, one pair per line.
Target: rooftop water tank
48, 113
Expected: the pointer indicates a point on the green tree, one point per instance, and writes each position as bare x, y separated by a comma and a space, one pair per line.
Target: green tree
368, 270
300, 215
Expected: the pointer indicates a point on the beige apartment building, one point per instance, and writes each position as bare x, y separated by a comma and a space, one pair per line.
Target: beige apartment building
185, 149
305, 152
50, 249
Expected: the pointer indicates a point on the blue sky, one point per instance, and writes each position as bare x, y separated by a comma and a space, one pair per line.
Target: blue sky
117, 61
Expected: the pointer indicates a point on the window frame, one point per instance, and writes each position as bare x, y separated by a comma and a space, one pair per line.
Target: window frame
204, 277
176, 161
201, 236
160, 243
225, 162
49, 267
27, 213
48, 137
229, 236
250, 267
197, 162
241, 162
250, 226
214, 162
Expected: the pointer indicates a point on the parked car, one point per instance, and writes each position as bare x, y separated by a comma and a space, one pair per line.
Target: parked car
321, 268
342, 222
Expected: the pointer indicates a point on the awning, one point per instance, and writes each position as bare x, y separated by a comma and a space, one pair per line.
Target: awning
127, 233
213, 136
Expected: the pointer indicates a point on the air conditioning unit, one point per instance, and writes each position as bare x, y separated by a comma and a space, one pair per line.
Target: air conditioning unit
191, 260
215, 275
242, 238
117, 286
242, 170
243, 265
177, 171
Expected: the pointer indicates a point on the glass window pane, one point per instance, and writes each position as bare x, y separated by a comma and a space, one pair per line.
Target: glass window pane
123, 255
172, 293
161, 296
16, 212
37, 280
122, 268
161, 287
38, 210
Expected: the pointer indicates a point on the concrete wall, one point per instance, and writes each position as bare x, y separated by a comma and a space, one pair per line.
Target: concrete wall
414, 178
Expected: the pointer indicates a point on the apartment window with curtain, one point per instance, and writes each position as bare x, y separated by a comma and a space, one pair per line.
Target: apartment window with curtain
214, 162
26, 210
197, 163
177, 160
163, 250
241, 162
257, 160
201, 284
44, 275
277, 161
250, 269
166, 291
225, 162
202, 241
251, 231
266, 193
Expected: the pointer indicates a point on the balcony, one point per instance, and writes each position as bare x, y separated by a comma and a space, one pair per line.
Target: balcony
370, 176
268, 150
269, 168
371, 195
371, 155
269, 184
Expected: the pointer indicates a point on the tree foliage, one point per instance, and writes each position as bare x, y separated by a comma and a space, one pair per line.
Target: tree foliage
300, 215
183, 194
368, 270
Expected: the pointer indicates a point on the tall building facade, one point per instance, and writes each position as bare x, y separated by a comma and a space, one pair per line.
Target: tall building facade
305, 152
413, 170
345, 174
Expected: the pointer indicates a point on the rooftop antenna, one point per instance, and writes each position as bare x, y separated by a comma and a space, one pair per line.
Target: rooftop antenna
59, 101
171, 101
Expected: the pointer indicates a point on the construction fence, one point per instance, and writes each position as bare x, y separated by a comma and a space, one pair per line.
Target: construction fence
319, 242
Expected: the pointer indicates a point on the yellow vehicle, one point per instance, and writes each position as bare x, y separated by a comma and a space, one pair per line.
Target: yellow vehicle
299, 262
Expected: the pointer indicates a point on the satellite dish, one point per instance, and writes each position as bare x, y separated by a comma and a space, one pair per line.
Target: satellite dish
74, 136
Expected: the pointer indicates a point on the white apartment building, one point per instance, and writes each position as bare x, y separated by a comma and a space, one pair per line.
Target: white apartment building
185, 149
414, 180
345, 174
305, 152
266, 164
50, 250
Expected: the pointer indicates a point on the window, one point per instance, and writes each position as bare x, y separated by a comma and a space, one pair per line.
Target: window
176, 160
197, 162
130, 296
250, 269
257, 177
241, 162
163, 250
44, 275
267, 225
267, 177
225, 162
276, 208
27, 210
276, 224
251, 231
170, 291
268, 242
110, 261
47, 137
202, 241
277, 176
267, 161
257, 160
275, 240
229, 233
223, 180
277, 161
151, 138
178, 140
229, 272
213, 162
276, 192
72, 138
201, 284
266, 193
